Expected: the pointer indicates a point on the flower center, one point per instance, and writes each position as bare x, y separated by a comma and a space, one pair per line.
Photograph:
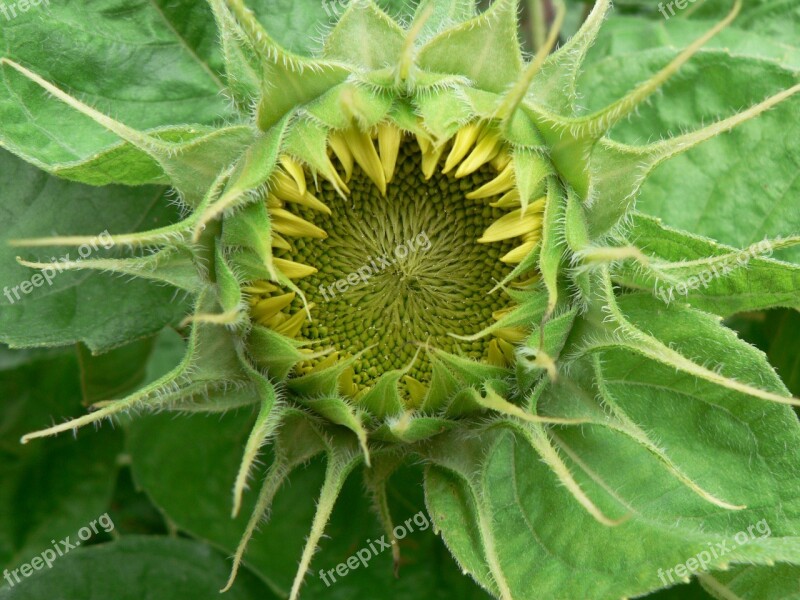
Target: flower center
399, 271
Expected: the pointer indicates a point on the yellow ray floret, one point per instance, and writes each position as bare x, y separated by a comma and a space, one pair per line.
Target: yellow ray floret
514, 224
389, 138
267, 308
487, 148
295, 170
293, 270
499, 185
464, 140
363, 150
290, 224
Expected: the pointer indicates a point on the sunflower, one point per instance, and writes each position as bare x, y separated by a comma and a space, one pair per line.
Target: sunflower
410, 237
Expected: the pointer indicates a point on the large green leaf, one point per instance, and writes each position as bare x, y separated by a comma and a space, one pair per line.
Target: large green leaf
737, 188
136, 567
158, 63
719, 279
755, 583
514, 526
50, 489
101, 310
194, 489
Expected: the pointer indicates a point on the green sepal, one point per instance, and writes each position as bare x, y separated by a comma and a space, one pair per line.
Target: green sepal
443, 14
273, 352
338, 411
451, 374
484, 49
443, 112
366, 37
549, 338
383, 399
555, 85
521, 131
242, 63
531, 170
229, 288
410, 429
124, 163
344, 104
173, 265
288, 87
247, 233
552, 253
321, 383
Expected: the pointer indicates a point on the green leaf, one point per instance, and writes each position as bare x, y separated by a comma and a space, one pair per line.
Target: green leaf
495, 499
754, 583
747, 176
158, 63
100, 310
712, 277
137, 567
193, 488
53, 488
114, 373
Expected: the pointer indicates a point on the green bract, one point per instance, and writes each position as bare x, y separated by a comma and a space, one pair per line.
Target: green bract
527, 344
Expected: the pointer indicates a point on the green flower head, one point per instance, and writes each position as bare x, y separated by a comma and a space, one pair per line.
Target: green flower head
411, 246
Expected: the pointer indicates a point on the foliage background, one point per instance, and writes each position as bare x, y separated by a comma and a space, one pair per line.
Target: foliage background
166, 481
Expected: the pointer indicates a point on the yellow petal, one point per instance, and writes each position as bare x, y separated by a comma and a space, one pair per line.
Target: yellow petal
326, 362
423, 142
339, 146
295, 169
363, 150
430, 161
293, 270
507, 350
275, 320
278, 241
290, 224
499, 185
537, 206
514, 224
389, 138
291, 327
332, 175
509, 200
501, 161
518, 254
269, 307
464, 140
486, 149
311, 201
284, 187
